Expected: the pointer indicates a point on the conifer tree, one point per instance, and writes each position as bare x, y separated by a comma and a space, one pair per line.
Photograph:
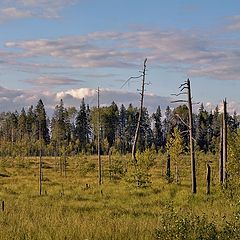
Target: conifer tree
157, 129
41, 128
82, 127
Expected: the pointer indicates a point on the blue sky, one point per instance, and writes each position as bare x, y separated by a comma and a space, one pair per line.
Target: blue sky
67, 48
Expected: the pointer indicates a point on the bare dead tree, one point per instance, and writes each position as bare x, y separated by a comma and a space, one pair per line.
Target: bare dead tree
99, 145
40, 161
224, 139
142, 75
185, 89
134, 147
221, 155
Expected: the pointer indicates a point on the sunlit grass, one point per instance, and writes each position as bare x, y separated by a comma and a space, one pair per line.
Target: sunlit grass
75, 207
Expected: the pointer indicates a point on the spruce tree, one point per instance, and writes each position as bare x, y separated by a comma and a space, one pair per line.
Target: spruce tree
41, 128
82, 126
157, 129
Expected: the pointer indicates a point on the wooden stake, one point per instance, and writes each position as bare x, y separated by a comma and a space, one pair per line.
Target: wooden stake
208, 178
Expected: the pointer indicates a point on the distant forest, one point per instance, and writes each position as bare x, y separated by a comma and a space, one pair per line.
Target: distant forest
74, 131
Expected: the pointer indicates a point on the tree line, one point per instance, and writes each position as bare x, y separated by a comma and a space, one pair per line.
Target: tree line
74, 131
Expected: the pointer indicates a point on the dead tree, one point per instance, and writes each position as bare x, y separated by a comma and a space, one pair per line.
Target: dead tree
134, 147
193, 163
99, 145
40, 162
185, 89
224, 139
221, 155
143, 75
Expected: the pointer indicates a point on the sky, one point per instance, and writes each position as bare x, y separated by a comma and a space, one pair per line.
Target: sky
66, 49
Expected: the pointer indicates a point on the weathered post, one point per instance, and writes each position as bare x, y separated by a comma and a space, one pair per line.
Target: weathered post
208, 178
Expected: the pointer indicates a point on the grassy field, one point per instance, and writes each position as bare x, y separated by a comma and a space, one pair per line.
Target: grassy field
76, 207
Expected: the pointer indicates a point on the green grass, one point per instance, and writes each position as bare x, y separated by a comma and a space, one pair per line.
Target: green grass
116, 210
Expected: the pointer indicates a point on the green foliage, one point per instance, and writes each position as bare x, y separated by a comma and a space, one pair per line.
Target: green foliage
175, 149
146, 159
85, 166
118, 166
139, 175
139, 178
233, 165
175, 146
177, 225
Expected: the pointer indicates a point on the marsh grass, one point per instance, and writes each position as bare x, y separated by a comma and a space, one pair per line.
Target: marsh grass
75, 207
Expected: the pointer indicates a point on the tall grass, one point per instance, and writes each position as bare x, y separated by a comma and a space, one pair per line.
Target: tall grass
75, 207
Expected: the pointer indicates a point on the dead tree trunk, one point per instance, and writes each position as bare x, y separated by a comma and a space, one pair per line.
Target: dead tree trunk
221, 155
224, 141
40, 160
208, 178
140, 115
192, 151
40, 171
99, 145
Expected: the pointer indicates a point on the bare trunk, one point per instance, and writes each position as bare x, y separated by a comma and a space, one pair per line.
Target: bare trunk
192, 151
40, 170
221, 155
99, 146
224, 141
140, 116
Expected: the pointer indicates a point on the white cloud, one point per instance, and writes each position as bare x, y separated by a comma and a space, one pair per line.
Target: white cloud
17, 9
10, 100
232, 106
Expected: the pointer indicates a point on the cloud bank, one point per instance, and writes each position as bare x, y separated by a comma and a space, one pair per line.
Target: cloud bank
195, 54
11, 100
